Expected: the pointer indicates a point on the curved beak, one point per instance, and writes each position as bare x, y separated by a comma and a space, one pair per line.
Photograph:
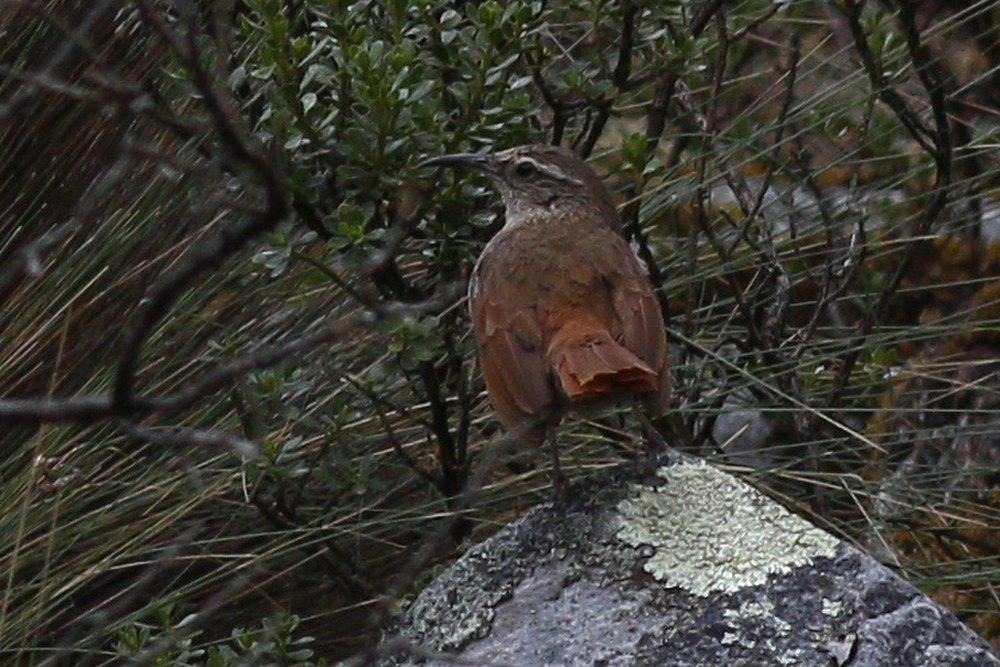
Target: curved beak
479, 161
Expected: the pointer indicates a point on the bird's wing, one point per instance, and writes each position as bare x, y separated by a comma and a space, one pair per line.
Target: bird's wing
511, 348
635, 304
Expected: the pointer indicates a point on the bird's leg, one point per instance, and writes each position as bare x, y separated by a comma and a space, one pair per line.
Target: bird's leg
649, 432
558, 479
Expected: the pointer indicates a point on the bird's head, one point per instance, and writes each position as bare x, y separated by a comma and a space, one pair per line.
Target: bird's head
535, 176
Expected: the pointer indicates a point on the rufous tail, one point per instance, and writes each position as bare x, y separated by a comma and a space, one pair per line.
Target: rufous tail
590, 364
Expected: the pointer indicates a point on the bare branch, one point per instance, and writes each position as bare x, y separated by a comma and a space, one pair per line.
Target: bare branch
212, 254
68, 50
93, 408
29, 260
620, 76
174, 437
940, 151
851, 9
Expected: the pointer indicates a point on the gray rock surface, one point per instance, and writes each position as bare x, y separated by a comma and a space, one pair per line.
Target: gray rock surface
672, 562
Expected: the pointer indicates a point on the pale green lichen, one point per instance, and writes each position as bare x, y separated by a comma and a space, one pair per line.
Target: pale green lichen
711, 533
760, 610
832, 607
765, 632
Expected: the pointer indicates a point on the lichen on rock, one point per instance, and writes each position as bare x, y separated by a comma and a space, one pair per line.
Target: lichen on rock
736, 580
710, 533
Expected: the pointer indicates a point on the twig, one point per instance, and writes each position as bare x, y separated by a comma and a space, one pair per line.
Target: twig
656, 117
437, 539
390, 432
29, 260
173, 438
211, 254
619, 77
86, 409
940, 151
851, 9
67, 51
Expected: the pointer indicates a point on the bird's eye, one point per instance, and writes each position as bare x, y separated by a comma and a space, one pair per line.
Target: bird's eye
525, 168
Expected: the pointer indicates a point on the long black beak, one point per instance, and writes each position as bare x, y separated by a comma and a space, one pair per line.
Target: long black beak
479, 161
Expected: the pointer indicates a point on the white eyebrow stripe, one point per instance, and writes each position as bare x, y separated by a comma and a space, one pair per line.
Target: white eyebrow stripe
551, 171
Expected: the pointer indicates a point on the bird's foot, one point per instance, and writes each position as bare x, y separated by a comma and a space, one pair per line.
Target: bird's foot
560, 490
559, 484
650, 433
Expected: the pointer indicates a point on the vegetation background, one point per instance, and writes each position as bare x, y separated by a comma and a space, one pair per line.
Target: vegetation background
241, 418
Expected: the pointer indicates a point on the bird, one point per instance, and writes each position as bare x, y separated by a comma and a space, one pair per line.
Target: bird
563, 311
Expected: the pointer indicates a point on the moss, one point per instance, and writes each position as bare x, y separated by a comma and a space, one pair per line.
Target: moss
711, 533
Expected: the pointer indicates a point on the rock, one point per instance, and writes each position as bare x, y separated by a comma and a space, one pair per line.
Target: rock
990, 222
672, 562
743, 430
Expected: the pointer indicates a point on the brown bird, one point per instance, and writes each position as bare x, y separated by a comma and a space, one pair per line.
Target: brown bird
565, 316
